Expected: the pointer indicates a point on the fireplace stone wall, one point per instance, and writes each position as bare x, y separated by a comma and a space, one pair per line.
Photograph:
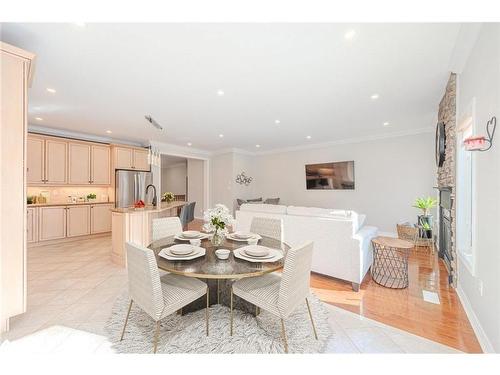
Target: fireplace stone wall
446, 175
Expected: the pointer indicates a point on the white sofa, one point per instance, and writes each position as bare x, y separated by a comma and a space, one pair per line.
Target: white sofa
342, 243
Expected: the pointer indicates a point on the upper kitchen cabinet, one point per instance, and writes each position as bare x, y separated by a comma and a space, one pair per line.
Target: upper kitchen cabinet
62, 161
101, 165
79, 163
56, 161
35, 160
141, 160
131, 158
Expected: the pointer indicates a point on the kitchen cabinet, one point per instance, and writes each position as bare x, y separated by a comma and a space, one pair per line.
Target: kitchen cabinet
131, 158
100, 218
79, 163
141, 160
77, 220
31, 225
101, 165
124, 158
52, 222
35, 160
56, 156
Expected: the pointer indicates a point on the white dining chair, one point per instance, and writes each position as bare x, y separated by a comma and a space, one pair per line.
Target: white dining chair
268, 227
166, 227
158, 297
280, 295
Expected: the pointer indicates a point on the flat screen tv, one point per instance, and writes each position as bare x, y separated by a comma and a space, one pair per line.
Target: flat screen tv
330, 176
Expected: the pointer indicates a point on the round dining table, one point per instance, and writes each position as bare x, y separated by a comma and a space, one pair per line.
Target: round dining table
218, 274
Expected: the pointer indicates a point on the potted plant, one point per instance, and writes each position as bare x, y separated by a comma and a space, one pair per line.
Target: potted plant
217, 220
91, 197
425, 204
426, 231
168, 197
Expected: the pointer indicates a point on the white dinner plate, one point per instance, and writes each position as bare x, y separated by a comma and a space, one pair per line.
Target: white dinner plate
191, 234
167, 254
243, 235
268, 256
232, 237
180, 237
276, 255
256, 251
181, 249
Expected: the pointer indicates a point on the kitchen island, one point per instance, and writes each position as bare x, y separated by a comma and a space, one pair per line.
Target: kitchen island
135, 225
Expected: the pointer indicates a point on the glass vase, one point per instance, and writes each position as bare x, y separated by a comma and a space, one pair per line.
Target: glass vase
217, 238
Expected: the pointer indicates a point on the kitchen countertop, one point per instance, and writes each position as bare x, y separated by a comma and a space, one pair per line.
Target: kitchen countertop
66, 204
149, 208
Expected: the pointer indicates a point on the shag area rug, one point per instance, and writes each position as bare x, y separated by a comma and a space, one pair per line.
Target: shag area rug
186, 334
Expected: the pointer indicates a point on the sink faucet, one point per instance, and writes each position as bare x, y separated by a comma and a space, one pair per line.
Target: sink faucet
154, 193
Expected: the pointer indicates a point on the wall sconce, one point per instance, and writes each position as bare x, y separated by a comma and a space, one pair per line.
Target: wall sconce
242, 179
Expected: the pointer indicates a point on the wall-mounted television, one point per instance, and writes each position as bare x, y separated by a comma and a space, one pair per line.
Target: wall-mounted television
330, 176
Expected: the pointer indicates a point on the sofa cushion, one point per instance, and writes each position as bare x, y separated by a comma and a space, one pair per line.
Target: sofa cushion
243, 201
272, 201
266, 208
319, 212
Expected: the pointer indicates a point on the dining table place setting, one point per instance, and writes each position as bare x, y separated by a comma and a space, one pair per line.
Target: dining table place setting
191, 235
182, 252
258, 254
251, 238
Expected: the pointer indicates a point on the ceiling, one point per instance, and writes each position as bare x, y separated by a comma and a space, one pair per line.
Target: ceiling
316, 79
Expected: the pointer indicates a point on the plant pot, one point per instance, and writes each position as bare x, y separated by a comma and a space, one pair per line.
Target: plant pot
425, 219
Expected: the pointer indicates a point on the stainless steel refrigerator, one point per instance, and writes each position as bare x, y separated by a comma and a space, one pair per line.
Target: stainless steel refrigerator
130, 186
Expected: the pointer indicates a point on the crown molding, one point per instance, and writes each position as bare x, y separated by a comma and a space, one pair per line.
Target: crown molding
239, 151
181, 151
370, 138
78, 135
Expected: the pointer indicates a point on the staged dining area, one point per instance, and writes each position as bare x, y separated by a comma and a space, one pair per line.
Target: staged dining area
219, 291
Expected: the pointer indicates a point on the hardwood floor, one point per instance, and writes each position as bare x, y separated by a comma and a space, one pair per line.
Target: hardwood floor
405, 309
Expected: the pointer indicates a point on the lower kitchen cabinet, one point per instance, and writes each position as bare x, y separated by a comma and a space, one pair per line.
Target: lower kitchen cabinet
52, 223
78, 221
101, 218
32, 225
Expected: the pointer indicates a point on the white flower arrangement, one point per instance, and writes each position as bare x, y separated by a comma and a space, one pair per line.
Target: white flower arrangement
217, 219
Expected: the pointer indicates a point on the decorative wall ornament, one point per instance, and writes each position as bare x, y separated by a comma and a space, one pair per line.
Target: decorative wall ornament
242, 179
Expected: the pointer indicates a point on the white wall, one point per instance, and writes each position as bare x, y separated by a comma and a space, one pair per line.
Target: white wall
173, 178
196, 185
481, 79
389, 174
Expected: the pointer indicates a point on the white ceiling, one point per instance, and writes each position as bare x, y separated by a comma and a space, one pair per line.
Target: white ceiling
317, 83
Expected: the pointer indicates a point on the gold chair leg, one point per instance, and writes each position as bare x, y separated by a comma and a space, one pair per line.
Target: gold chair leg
283, 333
126, 320
218, 292
157, 333
206, 310
257, 311
231, 325
312, 320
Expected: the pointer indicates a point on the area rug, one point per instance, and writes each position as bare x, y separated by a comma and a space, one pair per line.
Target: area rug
186, 334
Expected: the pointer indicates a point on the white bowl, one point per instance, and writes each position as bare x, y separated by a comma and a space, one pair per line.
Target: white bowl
195, 242
222, 253
190, 233
252, 241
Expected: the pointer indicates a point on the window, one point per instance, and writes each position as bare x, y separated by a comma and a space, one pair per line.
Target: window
465, 208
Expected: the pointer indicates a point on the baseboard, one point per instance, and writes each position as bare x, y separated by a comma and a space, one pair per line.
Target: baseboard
474, 321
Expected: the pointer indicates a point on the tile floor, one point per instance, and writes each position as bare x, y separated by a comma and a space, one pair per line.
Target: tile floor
72, 287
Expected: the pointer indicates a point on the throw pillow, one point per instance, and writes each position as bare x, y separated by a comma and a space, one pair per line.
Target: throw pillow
272, 201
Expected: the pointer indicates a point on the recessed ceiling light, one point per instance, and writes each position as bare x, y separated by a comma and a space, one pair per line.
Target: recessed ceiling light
258, 146
189, 144
220, 92
349, 35
38, 118
109, 131
308, 137
386, 123
221, 135
277, 122
375, 96
52, 91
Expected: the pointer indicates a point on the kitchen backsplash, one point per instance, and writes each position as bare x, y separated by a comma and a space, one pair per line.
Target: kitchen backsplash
64, 194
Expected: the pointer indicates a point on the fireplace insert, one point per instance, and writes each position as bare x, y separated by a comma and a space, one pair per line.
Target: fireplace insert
445, 233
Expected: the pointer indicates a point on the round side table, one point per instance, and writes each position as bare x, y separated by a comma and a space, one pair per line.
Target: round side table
390, 262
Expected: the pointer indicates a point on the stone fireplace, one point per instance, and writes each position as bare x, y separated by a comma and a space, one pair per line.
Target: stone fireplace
446, 177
